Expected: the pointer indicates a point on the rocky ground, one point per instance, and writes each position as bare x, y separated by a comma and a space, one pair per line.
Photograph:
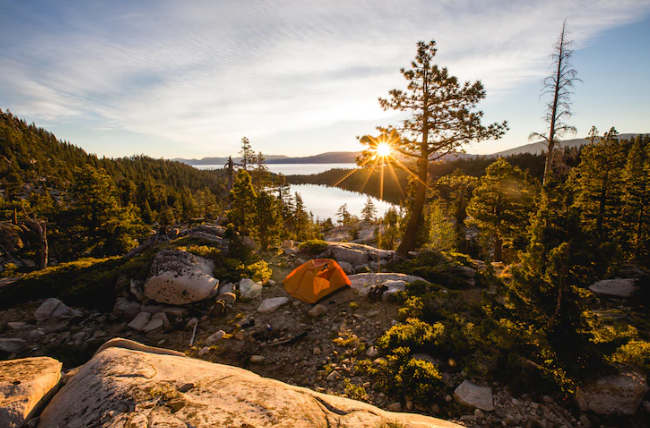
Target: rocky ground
276, 336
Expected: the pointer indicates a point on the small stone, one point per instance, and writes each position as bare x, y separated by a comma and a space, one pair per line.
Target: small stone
316, 351
317, 311
479, 414
214, 338
16, 325
585, 422
140, 321
409, 405
271, 305
163, 317
468, 418
372, 352
257, 359
515, 402
240, 335
153, 325
333, 376
161, 342
35, 334
547, 399
395, 407
191, 323
204, 351
448, 398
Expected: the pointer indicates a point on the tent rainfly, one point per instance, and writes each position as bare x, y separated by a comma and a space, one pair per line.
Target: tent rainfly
315, 279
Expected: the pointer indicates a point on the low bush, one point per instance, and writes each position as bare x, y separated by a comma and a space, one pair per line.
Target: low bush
313, 247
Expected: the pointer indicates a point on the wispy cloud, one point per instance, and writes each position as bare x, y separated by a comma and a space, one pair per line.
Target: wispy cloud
203, 74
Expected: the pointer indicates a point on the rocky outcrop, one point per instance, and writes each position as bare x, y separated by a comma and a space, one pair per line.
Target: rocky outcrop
617, 394
619, 287
25, 385
179, 278
471, 395
357, 254
363, 281
121, 387
52, 308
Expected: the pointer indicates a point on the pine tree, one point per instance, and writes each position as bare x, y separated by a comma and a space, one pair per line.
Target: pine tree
301, 220
284, 196
369, 211
501, 204
242, 197
344, 215
441, 119
268, 220
247, 154
636, 177
598, 183
260, 174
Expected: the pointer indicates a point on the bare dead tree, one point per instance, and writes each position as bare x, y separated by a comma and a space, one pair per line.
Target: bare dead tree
559, 85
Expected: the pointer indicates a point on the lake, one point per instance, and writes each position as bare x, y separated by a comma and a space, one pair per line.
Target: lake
323, 201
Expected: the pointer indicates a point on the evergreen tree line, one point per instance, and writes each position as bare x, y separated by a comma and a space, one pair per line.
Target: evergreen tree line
261, 205
95, 206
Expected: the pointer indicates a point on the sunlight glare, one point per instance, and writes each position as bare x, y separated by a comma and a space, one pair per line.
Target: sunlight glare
383, 150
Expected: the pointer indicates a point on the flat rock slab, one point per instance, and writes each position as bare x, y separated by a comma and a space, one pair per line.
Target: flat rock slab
52, 308
24, 386
619, 287
471, 395
271, 305
363, 281
163, 390
611, 395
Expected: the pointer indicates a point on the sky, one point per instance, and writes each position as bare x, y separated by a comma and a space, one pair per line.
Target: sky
190, 79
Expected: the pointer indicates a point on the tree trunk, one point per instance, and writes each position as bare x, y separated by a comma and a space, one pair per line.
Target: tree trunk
14, 218
498, 248
408, 243
44, 245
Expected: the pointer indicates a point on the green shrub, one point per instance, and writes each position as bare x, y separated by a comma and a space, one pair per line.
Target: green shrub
313, 247
635, 352
434, 266
414, 334
419, 378
353, 391
11, 270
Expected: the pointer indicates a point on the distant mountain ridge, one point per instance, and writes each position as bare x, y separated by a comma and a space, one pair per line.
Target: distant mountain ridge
329, 157
350, 157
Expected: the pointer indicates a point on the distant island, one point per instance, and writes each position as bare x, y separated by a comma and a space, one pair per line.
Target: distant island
350, 157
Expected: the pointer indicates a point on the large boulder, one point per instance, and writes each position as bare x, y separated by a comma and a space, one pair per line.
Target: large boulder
52, 308
12, 345
471, 395
121, 387
363, 281
345, 253
616, 394
179, 278
25, 385
619, 287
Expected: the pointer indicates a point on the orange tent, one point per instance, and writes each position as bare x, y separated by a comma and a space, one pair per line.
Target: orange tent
315, 279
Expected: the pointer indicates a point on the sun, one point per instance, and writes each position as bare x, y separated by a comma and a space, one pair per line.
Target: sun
383, 150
